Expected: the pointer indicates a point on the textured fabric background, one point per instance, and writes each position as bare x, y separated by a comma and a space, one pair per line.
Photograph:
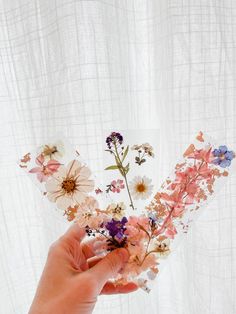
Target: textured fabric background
79, 67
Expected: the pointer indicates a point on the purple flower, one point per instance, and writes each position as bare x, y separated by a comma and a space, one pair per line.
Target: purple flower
224, 156
114, 137
116, 228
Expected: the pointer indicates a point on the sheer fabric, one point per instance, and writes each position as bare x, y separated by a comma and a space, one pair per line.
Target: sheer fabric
79, 67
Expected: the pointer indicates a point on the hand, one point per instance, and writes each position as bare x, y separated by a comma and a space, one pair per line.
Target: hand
73, 276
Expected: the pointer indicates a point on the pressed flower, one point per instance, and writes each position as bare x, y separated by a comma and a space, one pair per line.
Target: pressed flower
70, 212
161, 246
224, 156
117, 186
137, 262
89, 218
69, 185
116, 228
44, 171
143, 150
52, 151
137, 228
114, 138
203, 154
98, 191
141, 187
148, 149
116, 209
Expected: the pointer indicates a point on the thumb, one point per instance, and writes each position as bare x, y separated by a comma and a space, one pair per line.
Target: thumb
109, 266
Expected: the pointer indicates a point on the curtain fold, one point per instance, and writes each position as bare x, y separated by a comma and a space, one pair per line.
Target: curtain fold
80, 67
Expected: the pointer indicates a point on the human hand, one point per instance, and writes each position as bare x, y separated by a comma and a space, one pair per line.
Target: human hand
73, 276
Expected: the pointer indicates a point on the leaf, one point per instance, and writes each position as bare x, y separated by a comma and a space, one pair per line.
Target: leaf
117, 161
126, 168
114, 167
125, 153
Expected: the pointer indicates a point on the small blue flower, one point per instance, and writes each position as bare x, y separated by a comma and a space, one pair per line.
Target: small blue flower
224, 156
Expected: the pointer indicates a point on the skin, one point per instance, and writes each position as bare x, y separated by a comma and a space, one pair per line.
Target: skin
73, 277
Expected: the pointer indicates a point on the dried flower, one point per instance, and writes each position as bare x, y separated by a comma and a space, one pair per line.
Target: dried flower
69, 185
224, 156
116, 186
116, 228
161, 246
141, 187
143, 150
52, 151
44, 171
117, 210
113, 138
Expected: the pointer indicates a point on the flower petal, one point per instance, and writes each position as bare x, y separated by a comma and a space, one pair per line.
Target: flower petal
85, 172
85, 185
225, 163
36, 169
60, 174
64, 201
73, 168
53, 185
52, 196
216, 152
229, 155
79, 197
223, 149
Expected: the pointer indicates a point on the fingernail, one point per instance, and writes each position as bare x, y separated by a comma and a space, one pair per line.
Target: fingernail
124, 254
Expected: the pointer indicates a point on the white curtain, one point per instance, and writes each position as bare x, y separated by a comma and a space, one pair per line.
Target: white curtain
79, 67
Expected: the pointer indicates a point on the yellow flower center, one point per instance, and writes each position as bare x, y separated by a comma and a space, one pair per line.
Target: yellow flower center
222, 156
87, 215
141, 187
68, 185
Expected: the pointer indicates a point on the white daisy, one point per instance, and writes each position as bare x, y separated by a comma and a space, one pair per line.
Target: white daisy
52, 151
141, 187
69, 185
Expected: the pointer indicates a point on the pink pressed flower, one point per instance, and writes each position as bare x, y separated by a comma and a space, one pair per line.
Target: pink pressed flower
170, 231
199, 154
135, 226
44, 171
117, 186
87, 214
137, 263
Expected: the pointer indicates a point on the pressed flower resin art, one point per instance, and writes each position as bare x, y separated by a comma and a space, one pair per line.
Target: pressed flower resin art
128, 211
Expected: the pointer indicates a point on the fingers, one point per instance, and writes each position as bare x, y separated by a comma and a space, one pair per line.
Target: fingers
74, 233
111, 288
108, 267
93, 261
87, 248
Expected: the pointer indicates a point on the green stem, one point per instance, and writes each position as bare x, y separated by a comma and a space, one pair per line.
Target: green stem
124, 175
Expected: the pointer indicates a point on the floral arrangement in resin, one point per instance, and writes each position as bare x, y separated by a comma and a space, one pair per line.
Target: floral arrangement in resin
148, 232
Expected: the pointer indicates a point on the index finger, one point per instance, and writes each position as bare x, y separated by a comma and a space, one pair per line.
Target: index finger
74, 233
